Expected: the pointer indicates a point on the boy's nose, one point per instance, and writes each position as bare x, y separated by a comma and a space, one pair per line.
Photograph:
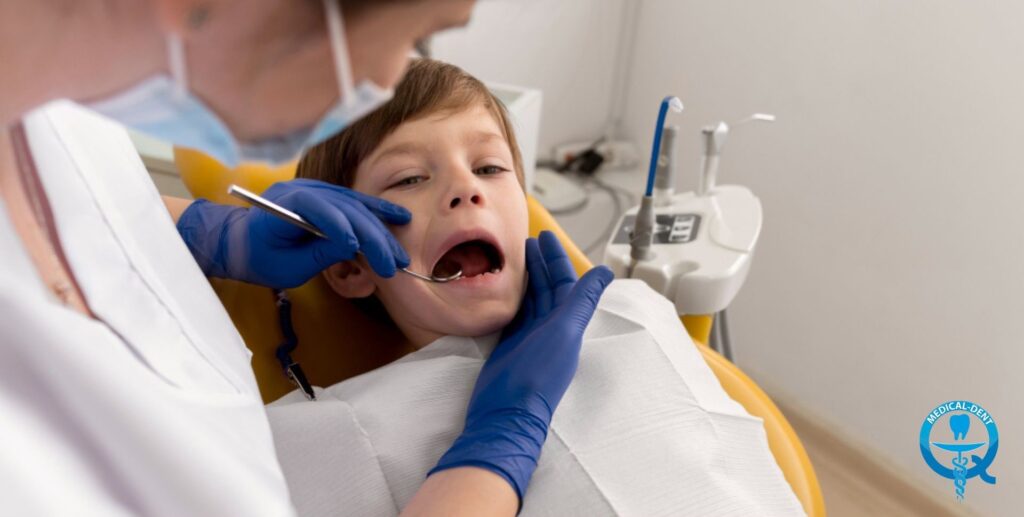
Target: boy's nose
472, 198
464, 190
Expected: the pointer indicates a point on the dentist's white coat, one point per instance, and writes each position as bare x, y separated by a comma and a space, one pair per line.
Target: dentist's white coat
150, 410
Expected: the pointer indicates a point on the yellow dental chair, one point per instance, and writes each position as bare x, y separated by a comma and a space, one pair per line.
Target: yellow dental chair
330, 328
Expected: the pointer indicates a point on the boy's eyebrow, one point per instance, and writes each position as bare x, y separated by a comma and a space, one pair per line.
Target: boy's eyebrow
482, 137
400, 149
413, 147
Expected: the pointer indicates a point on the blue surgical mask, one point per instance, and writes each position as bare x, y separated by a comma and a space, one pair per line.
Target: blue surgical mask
162, 107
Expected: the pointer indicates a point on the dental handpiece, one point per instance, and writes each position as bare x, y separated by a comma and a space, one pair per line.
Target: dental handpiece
296, 219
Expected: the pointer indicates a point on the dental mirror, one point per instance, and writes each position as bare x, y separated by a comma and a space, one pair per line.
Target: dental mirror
296, 219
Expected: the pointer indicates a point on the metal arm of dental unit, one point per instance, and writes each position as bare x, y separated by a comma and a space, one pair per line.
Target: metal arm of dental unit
693, 247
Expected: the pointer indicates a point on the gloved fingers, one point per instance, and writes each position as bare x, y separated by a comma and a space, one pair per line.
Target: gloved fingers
344, 202
276, 231
341, 243
582, 301
373, 241
529, 306
385, 210
304, 253
310, 259
524, 318
279, 189
397, 251
539, 281
401, 258
560, 270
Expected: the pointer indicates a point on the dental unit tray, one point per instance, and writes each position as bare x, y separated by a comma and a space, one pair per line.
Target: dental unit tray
693, 247
703, 246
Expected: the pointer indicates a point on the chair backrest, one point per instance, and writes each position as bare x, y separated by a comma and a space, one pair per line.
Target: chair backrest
334, 334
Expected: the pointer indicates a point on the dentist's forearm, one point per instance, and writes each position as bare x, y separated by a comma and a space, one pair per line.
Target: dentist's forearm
176, 206
466, 491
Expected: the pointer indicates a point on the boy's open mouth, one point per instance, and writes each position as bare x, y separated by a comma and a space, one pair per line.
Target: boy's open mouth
473, 257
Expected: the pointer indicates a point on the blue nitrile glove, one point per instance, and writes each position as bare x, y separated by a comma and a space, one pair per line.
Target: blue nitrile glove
524, 379
255, 246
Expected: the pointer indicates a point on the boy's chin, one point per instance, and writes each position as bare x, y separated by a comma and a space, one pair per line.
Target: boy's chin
484, 322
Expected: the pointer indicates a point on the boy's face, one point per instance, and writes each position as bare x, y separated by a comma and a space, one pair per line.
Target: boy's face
454, 172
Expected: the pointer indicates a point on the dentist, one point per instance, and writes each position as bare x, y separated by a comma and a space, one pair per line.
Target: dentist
124, 388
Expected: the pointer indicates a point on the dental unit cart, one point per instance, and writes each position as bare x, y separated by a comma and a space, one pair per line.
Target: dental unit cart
693, 247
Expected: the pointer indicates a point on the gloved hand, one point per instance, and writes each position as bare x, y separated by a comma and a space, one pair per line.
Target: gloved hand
255, 246
523, 381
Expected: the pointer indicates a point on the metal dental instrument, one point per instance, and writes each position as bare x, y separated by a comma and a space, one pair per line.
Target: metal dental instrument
297, 220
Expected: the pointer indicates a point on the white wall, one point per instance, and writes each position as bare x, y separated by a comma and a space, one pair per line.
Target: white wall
890, 274
565, 47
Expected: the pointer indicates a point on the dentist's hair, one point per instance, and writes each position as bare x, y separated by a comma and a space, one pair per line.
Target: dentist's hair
428, 87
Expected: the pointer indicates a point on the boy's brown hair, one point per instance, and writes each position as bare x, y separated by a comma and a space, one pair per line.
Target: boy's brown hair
428, 87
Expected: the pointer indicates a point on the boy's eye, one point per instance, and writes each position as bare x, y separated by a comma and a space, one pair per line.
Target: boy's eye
487, 170
411, 180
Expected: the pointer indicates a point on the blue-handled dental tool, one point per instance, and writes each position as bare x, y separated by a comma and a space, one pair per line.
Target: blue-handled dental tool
643, 229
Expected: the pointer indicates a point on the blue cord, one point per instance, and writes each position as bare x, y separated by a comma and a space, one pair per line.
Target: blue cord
656, 149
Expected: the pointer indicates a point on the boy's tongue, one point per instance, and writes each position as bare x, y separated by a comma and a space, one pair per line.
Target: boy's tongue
470, 257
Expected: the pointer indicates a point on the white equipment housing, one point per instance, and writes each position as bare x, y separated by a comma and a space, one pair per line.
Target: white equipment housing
703, 245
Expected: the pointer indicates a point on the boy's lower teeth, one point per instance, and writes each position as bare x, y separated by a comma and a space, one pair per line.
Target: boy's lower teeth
493, 272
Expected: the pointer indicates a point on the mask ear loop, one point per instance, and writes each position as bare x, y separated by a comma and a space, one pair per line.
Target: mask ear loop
339, 49
176, 60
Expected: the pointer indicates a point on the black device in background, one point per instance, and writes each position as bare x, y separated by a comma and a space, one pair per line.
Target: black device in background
585, 162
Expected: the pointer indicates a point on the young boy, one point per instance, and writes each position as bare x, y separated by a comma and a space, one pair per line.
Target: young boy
644, 429
444, 149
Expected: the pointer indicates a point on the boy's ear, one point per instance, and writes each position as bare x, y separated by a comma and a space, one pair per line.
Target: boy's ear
350, 279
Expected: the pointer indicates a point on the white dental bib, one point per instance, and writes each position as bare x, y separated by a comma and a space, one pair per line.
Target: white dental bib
644, 429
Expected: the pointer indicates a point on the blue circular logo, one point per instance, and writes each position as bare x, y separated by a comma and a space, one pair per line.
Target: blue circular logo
964, 451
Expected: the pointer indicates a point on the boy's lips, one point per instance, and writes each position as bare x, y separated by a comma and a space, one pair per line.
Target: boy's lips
484, 247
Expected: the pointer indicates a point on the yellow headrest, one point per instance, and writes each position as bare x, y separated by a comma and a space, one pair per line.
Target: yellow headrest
207, 178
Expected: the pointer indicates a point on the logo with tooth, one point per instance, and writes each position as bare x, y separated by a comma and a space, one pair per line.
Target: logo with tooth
968, 452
